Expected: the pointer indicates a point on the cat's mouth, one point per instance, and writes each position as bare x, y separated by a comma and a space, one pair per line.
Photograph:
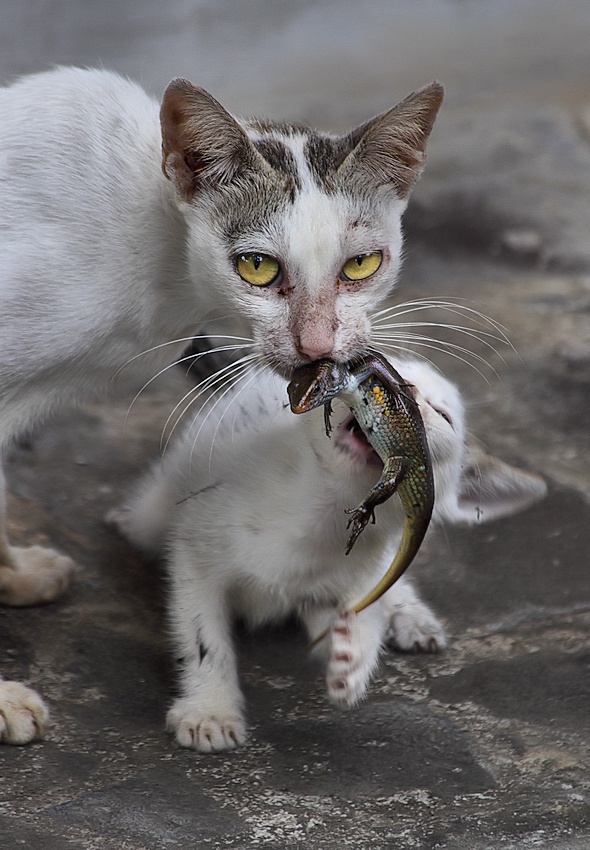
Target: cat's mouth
350, 437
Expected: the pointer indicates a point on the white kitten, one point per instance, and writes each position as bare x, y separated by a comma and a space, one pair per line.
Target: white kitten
125, 227
256, 527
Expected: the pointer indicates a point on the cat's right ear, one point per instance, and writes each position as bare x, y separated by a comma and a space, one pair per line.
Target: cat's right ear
390, 149
201, 141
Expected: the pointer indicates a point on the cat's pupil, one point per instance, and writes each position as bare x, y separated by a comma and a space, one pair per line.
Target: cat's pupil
256, 260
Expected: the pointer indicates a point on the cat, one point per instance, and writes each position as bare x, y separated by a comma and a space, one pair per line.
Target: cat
249, 509
127, 224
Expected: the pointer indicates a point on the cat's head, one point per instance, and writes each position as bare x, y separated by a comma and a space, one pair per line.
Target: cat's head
295, 231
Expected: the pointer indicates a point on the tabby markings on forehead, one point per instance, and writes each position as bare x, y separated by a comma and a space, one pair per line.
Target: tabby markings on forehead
280, 157
324, 155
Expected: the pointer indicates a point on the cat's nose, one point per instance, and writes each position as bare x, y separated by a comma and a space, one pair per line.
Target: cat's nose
314, 343
315, 353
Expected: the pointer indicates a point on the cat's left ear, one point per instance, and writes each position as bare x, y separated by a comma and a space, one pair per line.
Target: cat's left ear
201, 141
390, 149
491, 488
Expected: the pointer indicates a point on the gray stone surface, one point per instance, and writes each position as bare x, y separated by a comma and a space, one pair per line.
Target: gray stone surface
483, 747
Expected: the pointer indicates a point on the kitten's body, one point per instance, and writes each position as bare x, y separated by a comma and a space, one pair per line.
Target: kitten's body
120, 232
256, 527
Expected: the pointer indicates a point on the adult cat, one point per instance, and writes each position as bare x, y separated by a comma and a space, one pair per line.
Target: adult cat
125, 226
249, 508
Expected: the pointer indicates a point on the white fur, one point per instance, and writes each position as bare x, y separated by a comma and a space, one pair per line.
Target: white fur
256, 527
103, 257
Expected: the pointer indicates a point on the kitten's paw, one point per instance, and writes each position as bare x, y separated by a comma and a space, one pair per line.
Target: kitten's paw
348, 671
35, 576
203, 731
414, 628
23, 714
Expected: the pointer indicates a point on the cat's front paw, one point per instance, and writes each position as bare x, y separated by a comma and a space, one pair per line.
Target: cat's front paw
414, 628
203, 731
349, 667
23, 714
36, 575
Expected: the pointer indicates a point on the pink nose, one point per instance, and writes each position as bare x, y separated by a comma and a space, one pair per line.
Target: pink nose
314, 351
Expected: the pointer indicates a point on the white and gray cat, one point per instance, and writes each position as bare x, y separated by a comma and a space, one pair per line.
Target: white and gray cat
249, 507
126, 225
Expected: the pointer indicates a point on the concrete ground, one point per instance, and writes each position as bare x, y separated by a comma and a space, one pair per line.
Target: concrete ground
480, 748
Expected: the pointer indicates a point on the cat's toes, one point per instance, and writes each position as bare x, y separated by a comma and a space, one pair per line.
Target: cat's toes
205, 732
348, 671
414, 628
23, 714
36, 576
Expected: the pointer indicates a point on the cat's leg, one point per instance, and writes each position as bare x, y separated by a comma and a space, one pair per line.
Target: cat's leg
351, 648
31, 576
23, 714
412, 626
209, 715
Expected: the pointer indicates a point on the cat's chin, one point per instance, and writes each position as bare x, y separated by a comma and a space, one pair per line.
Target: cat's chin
351, 440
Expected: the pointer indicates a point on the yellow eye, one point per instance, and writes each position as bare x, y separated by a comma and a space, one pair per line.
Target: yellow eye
257, 269
362, 266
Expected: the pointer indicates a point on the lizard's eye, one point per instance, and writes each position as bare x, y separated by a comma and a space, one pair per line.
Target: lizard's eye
362, 266
257, 269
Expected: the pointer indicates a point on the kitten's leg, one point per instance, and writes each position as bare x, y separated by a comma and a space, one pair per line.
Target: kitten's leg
23, 714
412, 626
31, 576
209, 715
352, 647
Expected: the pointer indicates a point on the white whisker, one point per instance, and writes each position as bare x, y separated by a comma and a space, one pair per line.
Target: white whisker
192, 358
253, 370
220, 378
177, 342
407, 350
462, 310
480, 336
445, 344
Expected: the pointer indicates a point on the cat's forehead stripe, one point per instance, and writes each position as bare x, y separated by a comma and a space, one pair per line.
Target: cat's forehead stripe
277, 153
304, 155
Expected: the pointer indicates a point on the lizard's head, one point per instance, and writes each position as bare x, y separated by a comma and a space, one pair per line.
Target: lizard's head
315, 384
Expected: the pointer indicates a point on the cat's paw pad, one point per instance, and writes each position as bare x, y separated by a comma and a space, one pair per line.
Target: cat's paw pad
23, 714
347, 674
205, 732
36, 576
414, 628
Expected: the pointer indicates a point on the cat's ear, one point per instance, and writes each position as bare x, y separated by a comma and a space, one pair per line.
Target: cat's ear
201, 141
490, 488
390, 149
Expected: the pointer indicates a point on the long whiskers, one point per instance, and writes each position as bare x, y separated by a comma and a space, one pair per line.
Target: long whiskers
231, 373
397, 336
251, 370
189, 358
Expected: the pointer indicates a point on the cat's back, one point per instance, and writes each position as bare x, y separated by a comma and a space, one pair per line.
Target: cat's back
68, 98
71, 131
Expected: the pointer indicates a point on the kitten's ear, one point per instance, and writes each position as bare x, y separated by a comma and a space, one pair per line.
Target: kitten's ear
200, 139
490, 488
390, 148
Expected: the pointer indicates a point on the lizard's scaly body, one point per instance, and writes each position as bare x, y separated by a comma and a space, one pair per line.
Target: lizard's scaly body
390, 419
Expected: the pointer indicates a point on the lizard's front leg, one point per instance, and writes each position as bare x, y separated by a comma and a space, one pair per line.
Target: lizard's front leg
393, 473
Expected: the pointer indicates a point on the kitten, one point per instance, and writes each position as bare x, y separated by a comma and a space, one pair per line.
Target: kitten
126, 225
250, 508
